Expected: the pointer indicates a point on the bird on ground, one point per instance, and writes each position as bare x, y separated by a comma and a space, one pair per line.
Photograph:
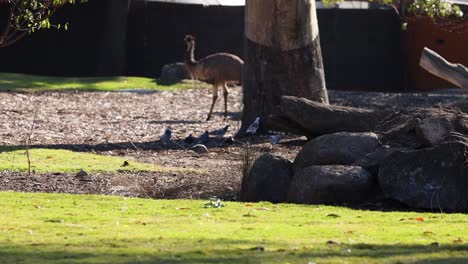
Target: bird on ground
253, 127
204, 138
166, 137
190, 139
220, 132
229, 140
275, 139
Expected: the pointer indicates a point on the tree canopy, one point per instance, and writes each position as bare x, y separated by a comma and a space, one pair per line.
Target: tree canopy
27, 16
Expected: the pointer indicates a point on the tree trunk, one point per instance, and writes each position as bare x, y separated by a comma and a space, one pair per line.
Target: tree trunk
282, 57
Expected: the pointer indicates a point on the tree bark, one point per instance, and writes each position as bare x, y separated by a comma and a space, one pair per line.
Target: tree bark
317, 119
437, 65
282, 57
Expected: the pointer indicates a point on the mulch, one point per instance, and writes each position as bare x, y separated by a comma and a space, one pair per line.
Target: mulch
129, 124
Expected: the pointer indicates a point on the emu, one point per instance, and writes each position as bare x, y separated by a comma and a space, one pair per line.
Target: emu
217, 69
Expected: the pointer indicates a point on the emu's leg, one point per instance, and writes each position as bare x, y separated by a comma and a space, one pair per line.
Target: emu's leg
225, 94
215, 97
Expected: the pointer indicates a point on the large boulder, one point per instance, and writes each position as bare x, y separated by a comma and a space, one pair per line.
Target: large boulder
423, 127
372, 161
342, 148
434, 178
331, 185
462, 105
268, 180
173, 73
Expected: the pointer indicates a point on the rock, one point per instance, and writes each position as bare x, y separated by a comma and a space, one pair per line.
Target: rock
83, 176
434, 178
372, 161
268, 180
423, 127
341, 148
200, 148
462, 105
173, 73
331, 184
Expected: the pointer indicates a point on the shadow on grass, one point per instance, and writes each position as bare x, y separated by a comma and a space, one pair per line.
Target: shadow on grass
236, 252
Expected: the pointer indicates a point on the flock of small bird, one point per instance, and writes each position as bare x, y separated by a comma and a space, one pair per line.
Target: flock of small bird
202, 139
218, 133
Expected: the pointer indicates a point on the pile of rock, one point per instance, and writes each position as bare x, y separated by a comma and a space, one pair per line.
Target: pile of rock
419, 158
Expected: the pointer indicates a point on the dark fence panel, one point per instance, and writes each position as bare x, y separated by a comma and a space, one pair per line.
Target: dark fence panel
94, 44
156, 33
361, 48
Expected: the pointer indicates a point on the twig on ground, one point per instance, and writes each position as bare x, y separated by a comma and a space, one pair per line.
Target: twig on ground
28, 139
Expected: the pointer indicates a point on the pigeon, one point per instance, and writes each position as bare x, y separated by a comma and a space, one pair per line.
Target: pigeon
253, 127
220, 132
204, 138
229, 141
275, 139
166, 137
190, 139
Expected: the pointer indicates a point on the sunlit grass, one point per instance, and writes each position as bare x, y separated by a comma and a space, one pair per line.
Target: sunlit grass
58, 160
52, 228
25, 82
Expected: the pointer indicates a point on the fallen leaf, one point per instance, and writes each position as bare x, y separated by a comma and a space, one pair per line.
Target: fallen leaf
419, 219
331, 242
248, 205
428, 233
458, 240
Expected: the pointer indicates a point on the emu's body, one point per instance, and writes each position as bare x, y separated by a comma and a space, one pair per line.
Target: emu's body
217, 69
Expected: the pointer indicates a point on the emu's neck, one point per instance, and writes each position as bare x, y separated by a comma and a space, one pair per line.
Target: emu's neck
190, 53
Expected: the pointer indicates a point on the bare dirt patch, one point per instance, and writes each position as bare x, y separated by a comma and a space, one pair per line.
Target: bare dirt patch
129, 124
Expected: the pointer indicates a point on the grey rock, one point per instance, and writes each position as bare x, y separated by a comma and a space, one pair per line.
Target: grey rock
462, 105
331, 184
83, 176
423, 127
173, 73
341, 148
372, 161
268, 180
200, 149
433, 178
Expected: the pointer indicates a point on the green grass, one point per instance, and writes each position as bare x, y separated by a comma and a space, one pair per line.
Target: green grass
25, 82
53, 228
58, 160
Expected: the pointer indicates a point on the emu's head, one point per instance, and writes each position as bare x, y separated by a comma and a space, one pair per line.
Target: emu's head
189, 39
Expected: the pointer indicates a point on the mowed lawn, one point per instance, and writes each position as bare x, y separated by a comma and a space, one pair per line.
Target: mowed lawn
58, 228
66, 161
34, 83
